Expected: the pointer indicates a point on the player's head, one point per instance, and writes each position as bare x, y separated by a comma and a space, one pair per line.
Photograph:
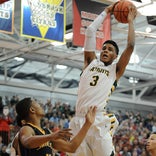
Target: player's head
114, 44
109, 52
152, 151
27, 109
22, 110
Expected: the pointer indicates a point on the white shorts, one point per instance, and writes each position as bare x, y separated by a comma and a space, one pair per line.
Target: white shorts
98, 141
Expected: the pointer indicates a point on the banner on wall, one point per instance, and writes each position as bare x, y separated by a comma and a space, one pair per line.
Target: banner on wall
7, 17
43, 19
84, 13
3, 1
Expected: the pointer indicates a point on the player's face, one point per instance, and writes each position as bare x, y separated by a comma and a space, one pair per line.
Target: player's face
108, 54
37, 108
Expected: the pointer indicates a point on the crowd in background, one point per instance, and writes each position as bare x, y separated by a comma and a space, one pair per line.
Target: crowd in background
129, 139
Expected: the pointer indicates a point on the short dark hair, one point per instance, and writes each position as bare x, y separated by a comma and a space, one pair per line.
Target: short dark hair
22, 109
153, 132
114, 44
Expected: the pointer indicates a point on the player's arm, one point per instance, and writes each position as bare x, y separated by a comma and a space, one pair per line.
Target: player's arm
12, 151
72, 145
15, 142
90, 36
125, 57
15, 146
30, 140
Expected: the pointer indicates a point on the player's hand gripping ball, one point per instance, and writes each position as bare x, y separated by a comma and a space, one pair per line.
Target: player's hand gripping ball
121, 10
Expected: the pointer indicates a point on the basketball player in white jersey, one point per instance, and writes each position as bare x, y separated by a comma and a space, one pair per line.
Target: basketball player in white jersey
95, 85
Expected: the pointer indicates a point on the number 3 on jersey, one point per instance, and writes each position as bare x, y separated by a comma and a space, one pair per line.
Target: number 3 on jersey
95, 80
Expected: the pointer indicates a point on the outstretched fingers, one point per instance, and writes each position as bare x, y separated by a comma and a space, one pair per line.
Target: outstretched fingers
90, 116
132, 13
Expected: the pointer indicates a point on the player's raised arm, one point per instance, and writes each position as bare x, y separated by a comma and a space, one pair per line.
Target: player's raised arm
72, 145
90, 36
125, 56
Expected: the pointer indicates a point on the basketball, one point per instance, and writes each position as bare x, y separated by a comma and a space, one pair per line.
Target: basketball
121, 10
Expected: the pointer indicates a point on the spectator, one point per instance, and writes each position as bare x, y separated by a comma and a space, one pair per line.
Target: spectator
5, 120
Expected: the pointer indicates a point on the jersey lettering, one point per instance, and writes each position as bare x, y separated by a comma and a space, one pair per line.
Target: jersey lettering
100, 70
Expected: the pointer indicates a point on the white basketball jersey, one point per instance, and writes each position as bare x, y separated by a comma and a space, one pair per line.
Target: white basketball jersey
95, 86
